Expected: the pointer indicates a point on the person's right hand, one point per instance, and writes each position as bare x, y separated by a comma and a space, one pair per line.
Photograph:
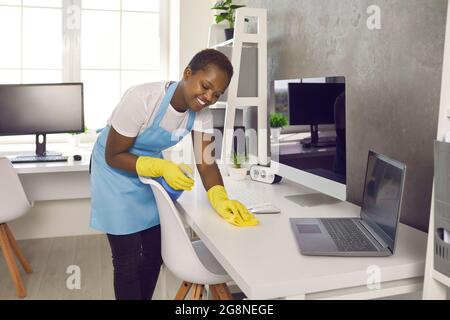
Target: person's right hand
170, 171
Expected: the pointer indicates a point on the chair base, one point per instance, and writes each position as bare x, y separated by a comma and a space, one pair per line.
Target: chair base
10, 248
218, 291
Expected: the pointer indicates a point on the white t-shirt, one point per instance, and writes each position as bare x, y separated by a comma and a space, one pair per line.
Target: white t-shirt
136, 112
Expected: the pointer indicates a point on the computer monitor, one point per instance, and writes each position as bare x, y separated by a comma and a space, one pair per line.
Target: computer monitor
313, 104
319, 168
40, 109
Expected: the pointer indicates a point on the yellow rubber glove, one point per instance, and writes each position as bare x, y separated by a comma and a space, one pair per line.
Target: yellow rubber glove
232, 211
171, 172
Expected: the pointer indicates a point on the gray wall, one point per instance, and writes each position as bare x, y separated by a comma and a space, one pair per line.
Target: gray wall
393, 78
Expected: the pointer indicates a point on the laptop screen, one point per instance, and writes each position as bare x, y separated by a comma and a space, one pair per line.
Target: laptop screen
382, 197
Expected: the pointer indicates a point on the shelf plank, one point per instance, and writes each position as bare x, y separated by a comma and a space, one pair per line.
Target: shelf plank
441, 278
250, 38
224, 44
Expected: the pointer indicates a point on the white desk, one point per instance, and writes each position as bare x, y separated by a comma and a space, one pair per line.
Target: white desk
265, 262
53, 180
66, 182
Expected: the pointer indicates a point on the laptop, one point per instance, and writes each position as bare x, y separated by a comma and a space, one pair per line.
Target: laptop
374, 232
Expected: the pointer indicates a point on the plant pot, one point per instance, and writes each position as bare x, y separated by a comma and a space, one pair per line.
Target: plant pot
237, 173
275, 133
90, 136
229, 33
74, 140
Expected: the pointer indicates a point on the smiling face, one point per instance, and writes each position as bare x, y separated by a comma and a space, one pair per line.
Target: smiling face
204, 87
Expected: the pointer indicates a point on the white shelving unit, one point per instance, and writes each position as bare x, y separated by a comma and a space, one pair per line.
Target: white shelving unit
242, 39
437, 284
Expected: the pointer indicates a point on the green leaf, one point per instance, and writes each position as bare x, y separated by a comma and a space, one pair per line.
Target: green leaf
220, 8
229, 8
220, 18
278, 120
219, 4
238, 159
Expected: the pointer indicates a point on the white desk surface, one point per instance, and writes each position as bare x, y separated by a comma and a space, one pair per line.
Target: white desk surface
265, 261
49, 167
53, 180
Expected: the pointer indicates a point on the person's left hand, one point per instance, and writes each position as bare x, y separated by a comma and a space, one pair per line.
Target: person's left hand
232, 211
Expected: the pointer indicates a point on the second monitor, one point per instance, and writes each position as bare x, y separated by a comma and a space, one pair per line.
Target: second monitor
314, 104
41, 109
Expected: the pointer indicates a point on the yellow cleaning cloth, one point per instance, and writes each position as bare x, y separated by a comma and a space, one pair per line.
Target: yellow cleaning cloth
232, 211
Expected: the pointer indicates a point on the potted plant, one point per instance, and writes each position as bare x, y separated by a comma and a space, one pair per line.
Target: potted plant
277, 122
237, 170
228, 9
75, 137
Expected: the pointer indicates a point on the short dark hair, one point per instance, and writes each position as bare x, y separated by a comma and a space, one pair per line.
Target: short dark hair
211, 56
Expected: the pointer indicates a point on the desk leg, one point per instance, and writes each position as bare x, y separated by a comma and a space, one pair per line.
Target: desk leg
434, 290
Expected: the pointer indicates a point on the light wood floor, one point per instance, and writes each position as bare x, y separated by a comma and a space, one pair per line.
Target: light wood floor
50, 258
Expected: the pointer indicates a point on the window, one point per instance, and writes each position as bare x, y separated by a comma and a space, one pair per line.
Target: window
109, 45
31, 38
129, 54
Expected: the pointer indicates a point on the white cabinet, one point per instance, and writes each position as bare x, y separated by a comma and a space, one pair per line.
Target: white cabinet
435, 282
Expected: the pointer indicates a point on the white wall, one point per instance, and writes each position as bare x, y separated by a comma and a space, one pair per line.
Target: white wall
190, 21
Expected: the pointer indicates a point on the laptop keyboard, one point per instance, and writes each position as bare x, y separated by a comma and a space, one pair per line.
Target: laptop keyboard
347, 236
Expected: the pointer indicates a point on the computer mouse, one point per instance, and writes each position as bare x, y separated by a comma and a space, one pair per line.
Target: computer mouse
264, 209
77, 157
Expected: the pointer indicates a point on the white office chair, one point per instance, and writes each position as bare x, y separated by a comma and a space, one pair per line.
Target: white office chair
190, 261
13, 204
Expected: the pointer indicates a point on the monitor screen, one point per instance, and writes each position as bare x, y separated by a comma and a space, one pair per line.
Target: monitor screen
41, 108
313, 103
382, 195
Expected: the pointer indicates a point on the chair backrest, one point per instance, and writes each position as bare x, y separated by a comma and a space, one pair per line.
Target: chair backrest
13, 200
176, 247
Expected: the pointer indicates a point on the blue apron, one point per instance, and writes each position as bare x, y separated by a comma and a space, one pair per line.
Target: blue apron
120, 203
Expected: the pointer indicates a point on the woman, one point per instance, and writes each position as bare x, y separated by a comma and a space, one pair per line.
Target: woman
149, 119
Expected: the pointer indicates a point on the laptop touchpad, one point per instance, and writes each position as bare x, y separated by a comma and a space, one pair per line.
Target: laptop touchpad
308, 228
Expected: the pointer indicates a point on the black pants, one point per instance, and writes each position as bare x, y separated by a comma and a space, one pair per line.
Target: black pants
137, 260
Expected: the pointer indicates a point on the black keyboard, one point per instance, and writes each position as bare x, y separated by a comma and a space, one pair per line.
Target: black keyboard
33, 159
347, 236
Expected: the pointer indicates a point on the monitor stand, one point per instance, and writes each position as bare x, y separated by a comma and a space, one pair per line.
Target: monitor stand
41, 149
316, 142
312, 200
41, 146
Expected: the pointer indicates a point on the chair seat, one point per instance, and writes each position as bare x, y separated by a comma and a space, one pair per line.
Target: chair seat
209, 261
13, 200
